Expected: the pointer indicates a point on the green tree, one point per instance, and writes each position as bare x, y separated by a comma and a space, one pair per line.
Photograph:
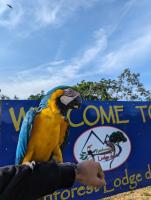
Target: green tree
127, 87
38, 96
15, 97
130, 88
101, 90
3, 97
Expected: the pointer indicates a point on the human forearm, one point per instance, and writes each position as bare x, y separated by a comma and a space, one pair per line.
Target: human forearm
25, 182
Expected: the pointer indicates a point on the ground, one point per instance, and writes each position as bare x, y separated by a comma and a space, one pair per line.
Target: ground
140, 194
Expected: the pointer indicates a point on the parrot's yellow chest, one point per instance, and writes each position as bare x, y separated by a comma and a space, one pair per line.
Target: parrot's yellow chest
47, 135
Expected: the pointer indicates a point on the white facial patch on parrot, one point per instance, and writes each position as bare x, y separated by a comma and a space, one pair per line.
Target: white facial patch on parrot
66, 100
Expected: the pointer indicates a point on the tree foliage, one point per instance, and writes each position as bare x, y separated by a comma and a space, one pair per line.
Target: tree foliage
126, 87
101, 90
38, 96
4, 97
129, 87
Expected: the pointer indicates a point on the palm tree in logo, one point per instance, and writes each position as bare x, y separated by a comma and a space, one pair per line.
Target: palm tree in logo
114, 141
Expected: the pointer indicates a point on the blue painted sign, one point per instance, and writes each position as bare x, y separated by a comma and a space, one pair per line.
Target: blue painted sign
116, 134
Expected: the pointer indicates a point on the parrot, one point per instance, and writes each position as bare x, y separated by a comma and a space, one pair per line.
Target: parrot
44, 129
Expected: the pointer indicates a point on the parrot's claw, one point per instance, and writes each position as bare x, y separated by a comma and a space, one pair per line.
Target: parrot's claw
30, 164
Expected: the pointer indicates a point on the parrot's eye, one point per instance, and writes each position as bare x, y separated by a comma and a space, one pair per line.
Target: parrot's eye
70, 92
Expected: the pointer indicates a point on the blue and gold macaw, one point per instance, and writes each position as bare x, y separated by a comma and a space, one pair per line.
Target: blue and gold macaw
43, 131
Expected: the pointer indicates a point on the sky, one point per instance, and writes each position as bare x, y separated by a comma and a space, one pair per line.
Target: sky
46, 43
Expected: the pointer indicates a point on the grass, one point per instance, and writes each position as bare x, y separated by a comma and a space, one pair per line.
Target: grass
139, 194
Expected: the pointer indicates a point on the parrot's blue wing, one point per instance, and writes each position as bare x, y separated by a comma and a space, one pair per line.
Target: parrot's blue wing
24, 135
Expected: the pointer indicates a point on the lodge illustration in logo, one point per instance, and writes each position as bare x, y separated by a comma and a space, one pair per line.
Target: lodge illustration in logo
108, 145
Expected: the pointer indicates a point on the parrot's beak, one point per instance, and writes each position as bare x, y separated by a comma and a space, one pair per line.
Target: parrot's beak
71, 102
75, 103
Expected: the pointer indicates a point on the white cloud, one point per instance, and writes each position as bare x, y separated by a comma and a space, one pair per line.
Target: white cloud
28, 16
57, 62
54, 73
56, 12
129, 53
46, 12
76, 66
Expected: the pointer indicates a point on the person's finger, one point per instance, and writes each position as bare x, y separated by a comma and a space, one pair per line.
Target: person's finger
100, 172
99, 183
98, 166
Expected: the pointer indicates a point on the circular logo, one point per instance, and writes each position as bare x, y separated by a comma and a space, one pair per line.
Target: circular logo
108, 145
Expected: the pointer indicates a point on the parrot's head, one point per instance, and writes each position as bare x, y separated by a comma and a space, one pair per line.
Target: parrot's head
70, 99
62, 98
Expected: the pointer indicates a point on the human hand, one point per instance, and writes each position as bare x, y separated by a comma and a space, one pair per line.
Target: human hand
90, 173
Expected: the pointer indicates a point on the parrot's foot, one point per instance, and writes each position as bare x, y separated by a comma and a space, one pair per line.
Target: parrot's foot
30, 164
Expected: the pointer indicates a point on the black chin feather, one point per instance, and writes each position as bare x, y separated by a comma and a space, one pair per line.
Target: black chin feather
63, 109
